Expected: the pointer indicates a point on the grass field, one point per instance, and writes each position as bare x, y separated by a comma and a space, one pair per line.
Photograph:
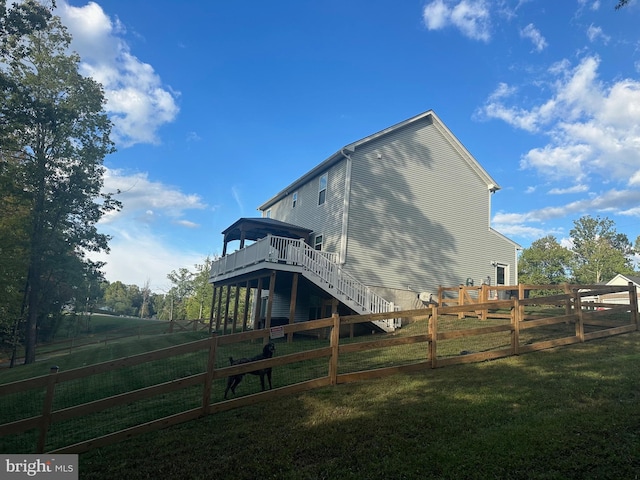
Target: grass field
570, 412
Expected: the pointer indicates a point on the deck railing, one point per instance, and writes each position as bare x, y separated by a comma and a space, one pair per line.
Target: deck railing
323, 265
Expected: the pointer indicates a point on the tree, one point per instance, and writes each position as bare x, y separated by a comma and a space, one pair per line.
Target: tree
145, 307
545, 262
182, 281
600, 253
199, 304
55, 134
621, 3
15, 23
122, 299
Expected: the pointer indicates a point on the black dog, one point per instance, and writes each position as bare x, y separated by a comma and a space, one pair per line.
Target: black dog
267, 352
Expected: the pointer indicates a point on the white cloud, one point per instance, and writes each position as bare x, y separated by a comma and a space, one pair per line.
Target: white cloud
143, 198
471, 17
187, 223
620, 202
574, 189
436, 15
138, 255
591, 4
235, 192
137, 101
594, 33
635, 179
593, 128
523, 231
193, 137
533, 34
141, 233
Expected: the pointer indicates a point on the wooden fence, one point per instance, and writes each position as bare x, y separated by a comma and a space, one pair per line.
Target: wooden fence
430, 338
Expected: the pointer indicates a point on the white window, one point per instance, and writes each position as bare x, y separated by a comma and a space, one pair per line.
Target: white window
294, 200
268, 214
322, 189
317, 242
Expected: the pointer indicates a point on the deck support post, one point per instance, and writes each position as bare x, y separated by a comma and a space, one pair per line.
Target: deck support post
245, 314
292, 306
272, 287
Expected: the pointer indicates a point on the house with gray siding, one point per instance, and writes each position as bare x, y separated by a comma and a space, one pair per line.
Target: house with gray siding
371, 228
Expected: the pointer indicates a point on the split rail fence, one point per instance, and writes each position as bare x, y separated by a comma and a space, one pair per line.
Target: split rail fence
80, 409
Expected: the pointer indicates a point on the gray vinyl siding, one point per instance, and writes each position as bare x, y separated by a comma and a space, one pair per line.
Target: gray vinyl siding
326, 219
419, 214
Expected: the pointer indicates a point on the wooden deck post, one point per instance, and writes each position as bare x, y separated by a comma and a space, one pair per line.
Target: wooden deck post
213, 301
226, 310
45, 420
257, 313
292, 305
236, 306
267, 320
219, 309
245, 315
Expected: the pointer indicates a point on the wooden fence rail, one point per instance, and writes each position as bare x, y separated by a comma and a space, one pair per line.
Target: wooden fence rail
439, 331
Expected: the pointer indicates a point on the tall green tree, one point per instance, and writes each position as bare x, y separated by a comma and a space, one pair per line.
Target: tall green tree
182, 289
199, 303
15, 24
56, 135
600, 252
545, 262
121, 299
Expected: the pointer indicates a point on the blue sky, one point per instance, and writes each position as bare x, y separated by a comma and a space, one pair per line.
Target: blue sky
218, 105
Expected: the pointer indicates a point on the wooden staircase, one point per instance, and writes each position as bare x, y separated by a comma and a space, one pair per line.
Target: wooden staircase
320, 268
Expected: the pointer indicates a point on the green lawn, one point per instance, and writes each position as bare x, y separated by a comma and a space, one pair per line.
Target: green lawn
570, 412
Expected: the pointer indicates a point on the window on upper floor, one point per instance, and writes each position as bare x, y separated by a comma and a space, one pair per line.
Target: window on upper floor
317, 242
322, 189
268, 214
294, 200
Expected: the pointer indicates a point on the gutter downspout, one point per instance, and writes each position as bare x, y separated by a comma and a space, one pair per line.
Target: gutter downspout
345, 210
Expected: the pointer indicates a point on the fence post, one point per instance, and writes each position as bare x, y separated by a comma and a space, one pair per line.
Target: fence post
484, 298
516, 318
567, 306
460, 300
433, 333
577, 305
45, 420
335, 343
208, 381
633, 303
